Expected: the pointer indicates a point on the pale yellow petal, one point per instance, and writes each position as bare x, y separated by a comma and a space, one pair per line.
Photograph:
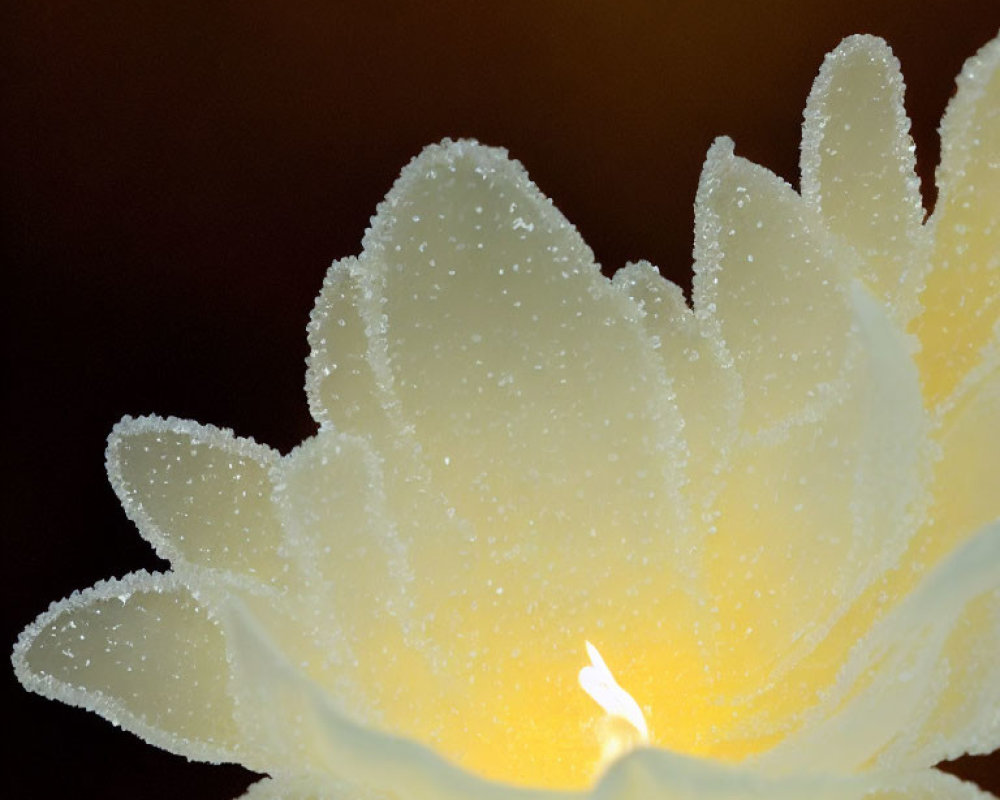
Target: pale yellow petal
923, 685
966, 474
962, 296
143, 653
540, 457
351, 605
774, 283
198, 494
807, 522
858, 168
331, 503
298, 725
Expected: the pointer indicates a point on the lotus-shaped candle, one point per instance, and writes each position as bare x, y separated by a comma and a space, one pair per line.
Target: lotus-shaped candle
564, 536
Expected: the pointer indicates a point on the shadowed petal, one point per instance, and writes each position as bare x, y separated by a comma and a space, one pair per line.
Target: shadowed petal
353, 606
965, 495
928, 784
143, 653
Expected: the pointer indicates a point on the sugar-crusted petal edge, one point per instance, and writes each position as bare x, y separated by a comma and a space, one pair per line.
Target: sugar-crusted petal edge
198, 534
960, 295
392, 258
858, 168
757, 282
342, 386
113, 708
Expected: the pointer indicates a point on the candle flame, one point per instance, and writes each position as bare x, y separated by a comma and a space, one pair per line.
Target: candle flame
597, 681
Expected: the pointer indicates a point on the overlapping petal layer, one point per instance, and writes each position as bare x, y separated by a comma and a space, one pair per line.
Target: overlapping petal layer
199, 495
960, 305
775, 512
858, 170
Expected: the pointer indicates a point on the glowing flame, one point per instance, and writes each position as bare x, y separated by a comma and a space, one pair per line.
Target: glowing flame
597, 681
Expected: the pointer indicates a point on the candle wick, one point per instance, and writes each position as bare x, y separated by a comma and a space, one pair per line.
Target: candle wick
598, 682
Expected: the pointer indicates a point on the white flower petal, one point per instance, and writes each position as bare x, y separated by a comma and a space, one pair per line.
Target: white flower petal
858, 168
962, 295
923, 685
331, 502
773, 282
143, 653
198, 494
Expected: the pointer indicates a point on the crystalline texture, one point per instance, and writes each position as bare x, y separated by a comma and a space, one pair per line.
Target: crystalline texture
774, 513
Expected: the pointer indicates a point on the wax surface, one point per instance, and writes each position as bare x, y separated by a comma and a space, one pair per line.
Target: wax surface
772, 511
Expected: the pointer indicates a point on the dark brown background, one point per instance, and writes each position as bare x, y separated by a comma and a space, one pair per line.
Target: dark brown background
177, 176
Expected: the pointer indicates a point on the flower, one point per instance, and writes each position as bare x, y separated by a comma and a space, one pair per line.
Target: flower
774, 515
